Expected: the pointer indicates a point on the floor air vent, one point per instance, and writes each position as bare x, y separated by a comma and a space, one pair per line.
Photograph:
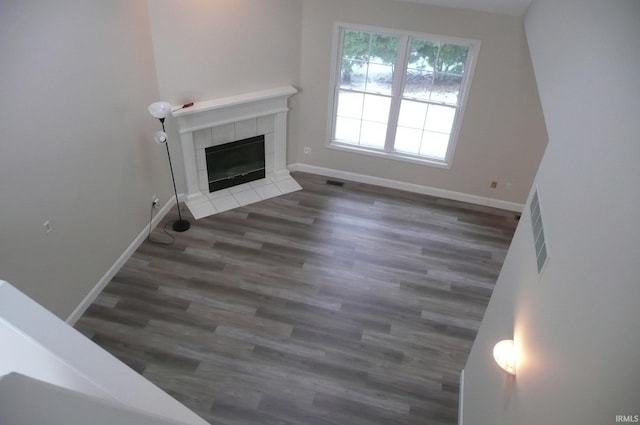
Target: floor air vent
335, 183
538, 232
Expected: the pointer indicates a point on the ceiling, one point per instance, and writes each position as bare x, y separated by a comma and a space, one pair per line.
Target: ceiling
509, 7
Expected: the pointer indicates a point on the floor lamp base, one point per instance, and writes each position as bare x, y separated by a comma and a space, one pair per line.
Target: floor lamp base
181, 225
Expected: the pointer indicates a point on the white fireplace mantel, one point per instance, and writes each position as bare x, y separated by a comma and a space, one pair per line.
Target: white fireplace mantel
267, 109
212, 113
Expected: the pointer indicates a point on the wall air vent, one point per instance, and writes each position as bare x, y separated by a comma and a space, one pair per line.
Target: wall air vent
538, 232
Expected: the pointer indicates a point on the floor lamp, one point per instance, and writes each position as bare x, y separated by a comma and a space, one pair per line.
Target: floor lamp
161, 110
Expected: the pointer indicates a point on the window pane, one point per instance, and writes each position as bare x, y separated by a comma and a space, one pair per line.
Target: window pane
385, 47
412, 114
419, 78
348, 130
382, 57
446, 88
453, 58
440, 118
408, 140
362, 119
435, 71
373, 134
423, 129
355, 55
418, 86
368, 61
434, 145
376, 108
350, 104
379, 78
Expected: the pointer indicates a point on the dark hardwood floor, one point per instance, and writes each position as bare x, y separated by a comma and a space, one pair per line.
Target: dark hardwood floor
331, 305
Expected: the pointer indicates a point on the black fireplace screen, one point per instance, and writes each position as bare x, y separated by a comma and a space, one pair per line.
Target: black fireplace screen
235, 163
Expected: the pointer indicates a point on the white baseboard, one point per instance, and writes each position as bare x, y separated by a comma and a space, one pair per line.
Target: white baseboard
93, 294
461, 399
409, 187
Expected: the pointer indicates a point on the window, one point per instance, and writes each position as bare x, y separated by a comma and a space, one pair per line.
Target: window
400, 94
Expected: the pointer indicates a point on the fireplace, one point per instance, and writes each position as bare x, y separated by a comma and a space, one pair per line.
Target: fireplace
235, 163
219, 124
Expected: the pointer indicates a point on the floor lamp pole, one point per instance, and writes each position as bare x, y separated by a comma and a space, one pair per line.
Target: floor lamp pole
179, 225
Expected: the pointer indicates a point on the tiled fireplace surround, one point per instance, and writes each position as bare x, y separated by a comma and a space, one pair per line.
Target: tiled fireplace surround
219, 121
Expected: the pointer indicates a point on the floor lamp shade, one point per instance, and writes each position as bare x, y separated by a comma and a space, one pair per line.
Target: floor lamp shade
160, 137
160, 110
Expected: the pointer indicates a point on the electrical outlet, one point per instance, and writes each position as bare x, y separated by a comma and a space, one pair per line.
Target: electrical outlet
155, 202
509, 186
307, 150
494, 184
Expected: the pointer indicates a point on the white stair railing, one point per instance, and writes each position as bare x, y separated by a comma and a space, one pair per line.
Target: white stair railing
39, 345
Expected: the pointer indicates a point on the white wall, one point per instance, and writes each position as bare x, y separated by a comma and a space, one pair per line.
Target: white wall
503, 134
577, 324
217, 48
76, 146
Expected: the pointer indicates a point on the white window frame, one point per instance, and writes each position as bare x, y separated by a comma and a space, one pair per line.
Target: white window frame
396, 96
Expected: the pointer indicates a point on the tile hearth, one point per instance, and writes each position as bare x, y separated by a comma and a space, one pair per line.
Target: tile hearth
244, 194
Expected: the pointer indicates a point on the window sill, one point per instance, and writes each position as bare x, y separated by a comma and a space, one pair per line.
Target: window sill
390, 155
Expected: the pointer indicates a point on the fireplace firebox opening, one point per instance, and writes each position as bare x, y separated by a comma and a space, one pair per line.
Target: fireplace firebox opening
235, 163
